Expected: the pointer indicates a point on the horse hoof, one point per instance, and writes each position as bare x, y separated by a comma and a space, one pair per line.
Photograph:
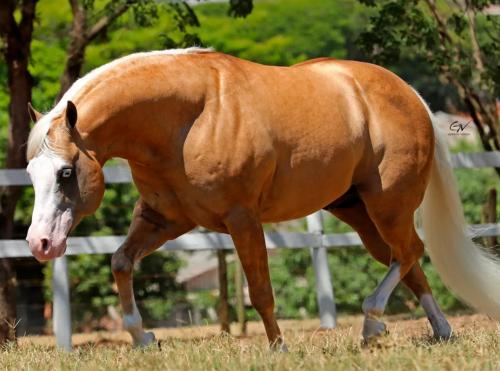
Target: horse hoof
442, 329
373, 328
279, 346
147, 339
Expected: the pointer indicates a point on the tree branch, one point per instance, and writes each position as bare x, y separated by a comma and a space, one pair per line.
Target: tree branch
476, 50
443, 31
81, 36
79, 20
76, 9
106, 20
75, 6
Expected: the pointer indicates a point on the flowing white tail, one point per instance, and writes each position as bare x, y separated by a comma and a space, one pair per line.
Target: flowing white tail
466, 268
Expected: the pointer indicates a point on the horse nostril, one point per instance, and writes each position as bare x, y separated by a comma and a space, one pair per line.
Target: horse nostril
45, 244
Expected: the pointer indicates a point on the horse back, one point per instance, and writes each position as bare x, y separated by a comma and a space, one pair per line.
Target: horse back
290, 140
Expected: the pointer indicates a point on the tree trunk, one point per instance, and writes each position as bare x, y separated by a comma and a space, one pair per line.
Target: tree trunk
82, 35
76, 49
16, 52
7, 302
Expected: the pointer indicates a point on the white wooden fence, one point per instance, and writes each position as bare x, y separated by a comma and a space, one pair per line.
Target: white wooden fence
314, 239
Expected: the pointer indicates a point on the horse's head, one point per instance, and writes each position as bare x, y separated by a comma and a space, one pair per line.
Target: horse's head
67, 179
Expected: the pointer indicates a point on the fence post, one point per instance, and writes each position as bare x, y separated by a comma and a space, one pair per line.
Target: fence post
223, 292
240, 298
490, 215
324, 287
62, 310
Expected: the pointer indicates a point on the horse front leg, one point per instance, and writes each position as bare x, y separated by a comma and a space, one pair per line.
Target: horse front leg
148, 231
248, 237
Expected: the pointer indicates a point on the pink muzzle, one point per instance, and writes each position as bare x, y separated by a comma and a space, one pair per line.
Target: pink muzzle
48, 241
44, 248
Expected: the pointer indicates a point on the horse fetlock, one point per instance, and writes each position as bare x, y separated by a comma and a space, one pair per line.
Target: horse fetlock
372, 308
373, 328
132, 323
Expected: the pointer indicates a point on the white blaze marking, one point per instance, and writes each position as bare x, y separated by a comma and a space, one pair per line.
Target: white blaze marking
49, 220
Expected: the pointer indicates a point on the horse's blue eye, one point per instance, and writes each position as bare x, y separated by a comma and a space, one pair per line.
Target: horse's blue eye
66, 173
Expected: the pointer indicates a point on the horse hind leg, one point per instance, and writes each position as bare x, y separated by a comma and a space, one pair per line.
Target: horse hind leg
352, 211
392, 214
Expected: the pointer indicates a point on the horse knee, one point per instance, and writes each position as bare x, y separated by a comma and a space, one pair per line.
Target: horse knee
121, 264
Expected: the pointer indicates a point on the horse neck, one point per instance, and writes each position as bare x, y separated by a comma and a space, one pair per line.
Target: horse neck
138, 116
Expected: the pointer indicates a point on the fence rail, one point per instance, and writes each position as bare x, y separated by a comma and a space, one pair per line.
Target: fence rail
121, 174
314, 239
218, 241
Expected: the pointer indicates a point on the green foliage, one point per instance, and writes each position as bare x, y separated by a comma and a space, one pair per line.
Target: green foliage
155, 287
282, 33
240, 8
474, 185
473, 191
441, 36
184, 16
144, 12
292, 277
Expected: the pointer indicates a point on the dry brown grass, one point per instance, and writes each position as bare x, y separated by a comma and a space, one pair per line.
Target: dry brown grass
476, 346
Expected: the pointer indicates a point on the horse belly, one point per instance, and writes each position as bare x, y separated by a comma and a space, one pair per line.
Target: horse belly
300, 191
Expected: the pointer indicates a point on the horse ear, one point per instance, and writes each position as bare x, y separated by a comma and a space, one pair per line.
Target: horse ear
71, 115
34, 114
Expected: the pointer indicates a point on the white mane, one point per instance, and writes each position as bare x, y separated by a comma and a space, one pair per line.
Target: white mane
37, 140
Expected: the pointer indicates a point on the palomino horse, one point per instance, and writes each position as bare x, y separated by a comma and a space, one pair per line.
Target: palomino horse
227, 144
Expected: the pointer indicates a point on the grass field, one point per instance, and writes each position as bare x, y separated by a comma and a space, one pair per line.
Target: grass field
476, 346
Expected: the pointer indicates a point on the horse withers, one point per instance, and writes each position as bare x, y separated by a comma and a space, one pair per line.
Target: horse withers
227, 144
